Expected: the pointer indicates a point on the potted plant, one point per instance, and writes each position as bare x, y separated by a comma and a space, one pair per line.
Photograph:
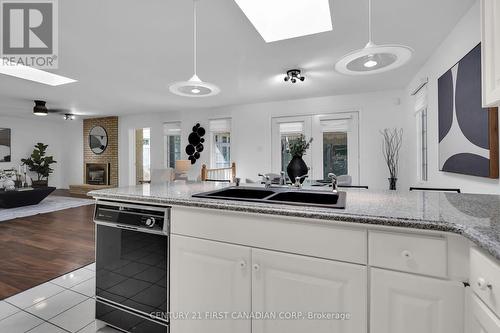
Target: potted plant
40, 164
391, 144
297, 167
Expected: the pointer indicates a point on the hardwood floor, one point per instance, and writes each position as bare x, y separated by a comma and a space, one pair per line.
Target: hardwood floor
38, 248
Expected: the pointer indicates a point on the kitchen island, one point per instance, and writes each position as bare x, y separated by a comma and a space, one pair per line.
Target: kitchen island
388, 262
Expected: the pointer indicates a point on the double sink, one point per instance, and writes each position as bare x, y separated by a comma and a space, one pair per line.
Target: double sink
279, 195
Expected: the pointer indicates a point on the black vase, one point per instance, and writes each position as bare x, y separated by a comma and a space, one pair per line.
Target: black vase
297, 168
392, 183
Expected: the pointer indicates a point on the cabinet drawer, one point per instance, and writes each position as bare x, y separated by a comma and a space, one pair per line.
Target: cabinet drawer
481, 319
287, 234
485, 279
409, 253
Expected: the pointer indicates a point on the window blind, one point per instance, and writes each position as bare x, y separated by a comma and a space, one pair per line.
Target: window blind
173, 128
292, 128
220, 125
335, 125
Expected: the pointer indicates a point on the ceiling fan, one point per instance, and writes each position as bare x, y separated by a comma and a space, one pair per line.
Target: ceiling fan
40, 109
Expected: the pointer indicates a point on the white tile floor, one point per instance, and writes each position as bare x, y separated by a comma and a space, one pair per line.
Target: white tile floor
65, 304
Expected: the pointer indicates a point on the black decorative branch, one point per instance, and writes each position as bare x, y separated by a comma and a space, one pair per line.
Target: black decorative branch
391, 145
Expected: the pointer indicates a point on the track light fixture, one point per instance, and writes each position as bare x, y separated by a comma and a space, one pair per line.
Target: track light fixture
293, 75
69, 116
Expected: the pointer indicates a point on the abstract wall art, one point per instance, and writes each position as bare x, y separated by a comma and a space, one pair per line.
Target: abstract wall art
468, 133
5, 145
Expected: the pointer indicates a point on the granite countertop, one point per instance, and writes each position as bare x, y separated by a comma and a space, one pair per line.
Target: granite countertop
475, 216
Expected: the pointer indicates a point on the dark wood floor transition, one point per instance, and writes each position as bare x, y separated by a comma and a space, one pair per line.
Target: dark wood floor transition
38, 248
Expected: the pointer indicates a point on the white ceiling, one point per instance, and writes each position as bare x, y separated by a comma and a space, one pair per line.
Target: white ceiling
125, 53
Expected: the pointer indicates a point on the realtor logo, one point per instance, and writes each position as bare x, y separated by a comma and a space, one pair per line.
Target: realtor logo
29, 33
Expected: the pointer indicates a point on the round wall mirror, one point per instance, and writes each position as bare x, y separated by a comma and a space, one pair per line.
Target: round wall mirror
98, 140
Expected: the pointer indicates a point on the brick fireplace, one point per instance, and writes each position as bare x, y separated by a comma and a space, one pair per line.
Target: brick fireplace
97, 173
99, 170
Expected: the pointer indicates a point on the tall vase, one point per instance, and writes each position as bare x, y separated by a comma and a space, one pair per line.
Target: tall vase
297, 168
392, 183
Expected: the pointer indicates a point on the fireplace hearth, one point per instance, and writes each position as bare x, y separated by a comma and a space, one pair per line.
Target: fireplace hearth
97, 173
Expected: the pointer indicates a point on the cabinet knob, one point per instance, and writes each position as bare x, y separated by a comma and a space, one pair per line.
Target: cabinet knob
256, 267
406, 254
483, 284
242, 264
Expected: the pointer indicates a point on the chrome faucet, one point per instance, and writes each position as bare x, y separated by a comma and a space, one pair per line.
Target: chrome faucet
333, 177
297, 180
268, 180
282, 178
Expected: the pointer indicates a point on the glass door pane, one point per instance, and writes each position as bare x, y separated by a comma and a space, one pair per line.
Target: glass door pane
286, 157
335, 151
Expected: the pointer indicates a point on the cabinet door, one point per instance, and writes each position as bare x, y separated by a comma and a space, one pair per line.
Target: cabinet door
209, 280
409, 303
481, 319
291, 287
490, 13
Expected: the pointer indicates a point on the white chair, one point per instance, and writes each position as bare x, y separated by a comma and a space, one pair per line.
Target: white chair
160, 176
344, 180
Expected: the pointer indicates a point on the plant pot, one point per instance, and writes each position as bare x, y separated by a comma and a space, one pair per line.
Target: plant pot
39, 183
297, 168
392, 183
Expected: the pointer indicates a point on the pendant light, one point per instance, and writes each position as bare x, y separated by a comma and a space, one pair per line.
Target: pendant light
374, 58
194, 87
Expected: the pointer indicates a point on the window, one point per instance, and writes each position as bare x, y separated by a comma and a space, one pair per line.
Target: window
421, 124
335, 146
422, 144
142, 155
288, 132
172, 143
220, 130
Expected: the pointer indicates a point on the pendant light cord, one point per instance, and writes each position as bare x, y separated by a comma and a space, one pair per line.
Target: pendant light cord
370, 22
194, 36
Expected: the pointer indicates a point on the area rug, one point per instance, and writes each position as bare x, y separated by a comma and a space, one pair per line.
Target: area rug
50, 204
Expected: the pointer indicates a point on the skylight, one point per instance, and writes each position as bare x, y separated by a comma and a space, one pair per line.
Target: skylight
33, 74
283, 19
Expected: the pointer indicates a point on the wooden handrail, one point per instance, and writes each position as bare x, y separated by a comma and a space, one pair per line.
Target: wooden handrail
205, 171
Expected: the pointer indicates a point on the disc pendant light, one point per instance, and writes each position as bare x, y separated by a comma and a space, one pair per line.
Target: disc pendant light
374, 58
194, 87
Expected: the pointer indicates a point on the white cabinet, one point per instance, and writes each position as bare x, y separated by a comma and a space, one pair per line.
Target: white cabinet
209, 277
480, 318
485, 279
287, 285
490, 13
216, 284
408, 303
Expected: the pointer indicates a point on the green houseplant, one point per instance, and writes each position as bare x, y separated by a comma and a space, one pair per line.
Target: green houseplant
297, 167
40, 164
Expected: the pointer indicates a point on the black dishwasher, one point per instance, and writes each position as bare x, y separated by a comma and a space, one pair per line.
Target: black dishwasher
132, 266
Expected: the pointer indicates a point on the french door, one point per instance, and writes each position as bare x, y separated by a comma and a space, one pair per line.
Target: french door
335, 146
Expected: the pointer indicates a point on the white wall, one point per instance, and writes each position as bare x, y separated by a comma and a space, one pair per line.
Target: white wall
464, 37
251, 132
65, 144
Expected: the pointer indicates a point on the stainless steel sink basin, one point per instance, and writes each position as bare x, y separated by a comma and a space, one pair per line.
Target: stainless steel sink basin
296, 197
239, 193
319, 198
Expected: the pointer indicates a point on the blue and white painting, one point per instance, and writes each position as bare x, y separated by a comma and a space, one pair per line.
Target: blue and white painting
464, 128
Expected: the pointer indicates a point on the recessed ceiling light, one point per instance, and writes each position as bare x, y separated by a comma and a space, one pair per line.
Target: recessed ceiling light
283, 19
33, 74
